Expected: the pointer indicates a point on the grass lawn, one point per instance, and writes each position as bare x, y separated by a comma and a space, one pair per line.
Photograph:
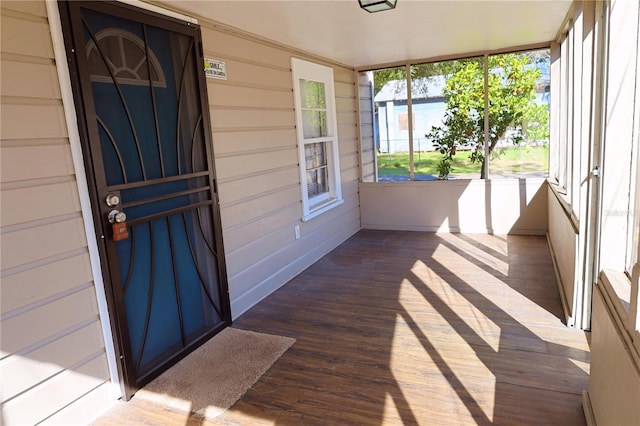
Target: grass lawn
510, 161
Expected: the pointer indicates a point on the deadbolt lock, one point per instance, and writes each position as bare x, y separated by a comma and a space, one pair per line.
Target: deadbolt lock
112, 200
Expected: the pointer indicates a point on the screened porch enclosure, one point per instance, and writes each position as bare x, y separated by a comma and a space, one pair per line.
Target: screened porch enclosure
427, 275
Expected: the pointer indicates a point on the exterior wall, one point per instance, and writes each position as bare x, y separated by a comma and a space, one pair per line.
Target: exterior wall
501, 206
367, 131
54, 365
563, 239
256, 156
53, 362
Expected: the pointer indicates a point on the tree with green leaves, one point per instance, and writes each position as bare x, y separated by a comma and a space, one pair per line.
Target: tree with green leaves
514, 115
418, 72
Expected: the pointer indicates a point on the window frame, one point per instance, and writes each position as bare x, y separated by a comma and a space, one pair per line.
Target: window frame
564, 154
409, 100
632, 261
621, 280
633, 215
315, 206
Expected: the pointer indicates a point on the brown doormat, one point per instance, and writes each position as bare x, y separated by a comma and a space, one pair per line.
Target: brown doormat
213, 377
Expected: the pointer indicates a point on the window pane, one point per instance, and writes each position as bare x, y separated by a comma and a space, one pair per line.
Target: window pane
317, 170
317, 182
110, 47
312, 94
519, 91
448, 106
315, 155
314, 123
392, 142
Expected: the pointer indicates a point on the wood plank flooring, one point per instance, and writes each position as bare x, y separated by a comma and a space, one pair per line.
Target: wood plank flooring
412, 328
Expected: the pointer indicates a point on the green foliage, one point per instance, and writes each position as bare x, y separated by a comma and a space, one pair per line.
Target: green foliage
381, 77
514, 115
444, 168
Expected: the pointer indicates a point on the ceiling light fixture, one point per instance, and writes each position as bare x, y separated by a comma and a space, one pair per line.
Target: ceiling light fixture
372, 6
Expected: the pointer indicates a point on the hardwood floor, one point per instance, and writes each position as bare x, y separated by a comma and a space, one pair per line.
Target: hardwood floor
413, 328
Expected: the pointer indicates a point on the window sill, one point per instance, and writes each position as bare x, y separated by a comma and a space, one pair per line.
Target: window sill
563, 199
618, 288
317, 210
459, 181
615, 288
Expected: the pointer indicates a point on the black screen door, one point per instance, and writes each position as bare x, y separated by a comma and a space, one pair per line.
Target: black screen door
140, 91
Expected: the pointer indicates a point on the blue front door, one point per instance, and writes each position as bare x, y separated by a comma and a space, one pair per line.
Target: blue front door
141, 83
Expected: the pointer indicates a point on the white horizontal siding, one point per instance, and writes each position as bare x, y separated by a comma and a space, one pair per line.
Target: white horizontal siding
259, 206
245, 120
237, 166
19, 290
25, 34
24, 162
243, 96
39, 202
59, 391
256, 157
22, 121
368, 147
250, 140
52, 342
253, 184
20, 373
53, 352
30, 80
219, 43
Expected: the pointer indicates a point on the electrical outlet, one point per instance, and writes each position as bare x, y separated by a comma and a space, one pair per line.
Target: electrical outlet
297, 229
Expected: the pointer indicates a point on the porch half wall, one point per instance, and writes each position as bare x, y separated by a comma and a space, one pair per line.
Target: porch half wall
498, 206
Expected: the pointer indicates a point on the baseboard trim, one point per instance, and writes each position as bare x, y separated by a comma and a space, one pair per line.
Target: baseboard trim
588, 409
452, 229
563, 295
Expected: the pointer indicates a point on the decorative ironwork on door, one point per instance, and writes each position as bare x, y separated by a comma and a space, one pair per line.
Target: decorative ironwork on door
140, 78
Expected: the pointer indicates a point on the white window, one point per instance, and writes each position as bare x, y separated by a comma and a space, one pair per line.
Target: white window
317, 137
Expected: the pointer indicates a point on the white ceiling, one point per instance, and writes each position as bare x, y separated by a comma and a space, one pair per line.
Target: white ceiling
416, 29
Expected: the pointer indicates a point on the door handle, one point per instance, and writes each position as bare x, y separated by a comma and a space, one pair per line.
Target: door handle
118, 225
116, 216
